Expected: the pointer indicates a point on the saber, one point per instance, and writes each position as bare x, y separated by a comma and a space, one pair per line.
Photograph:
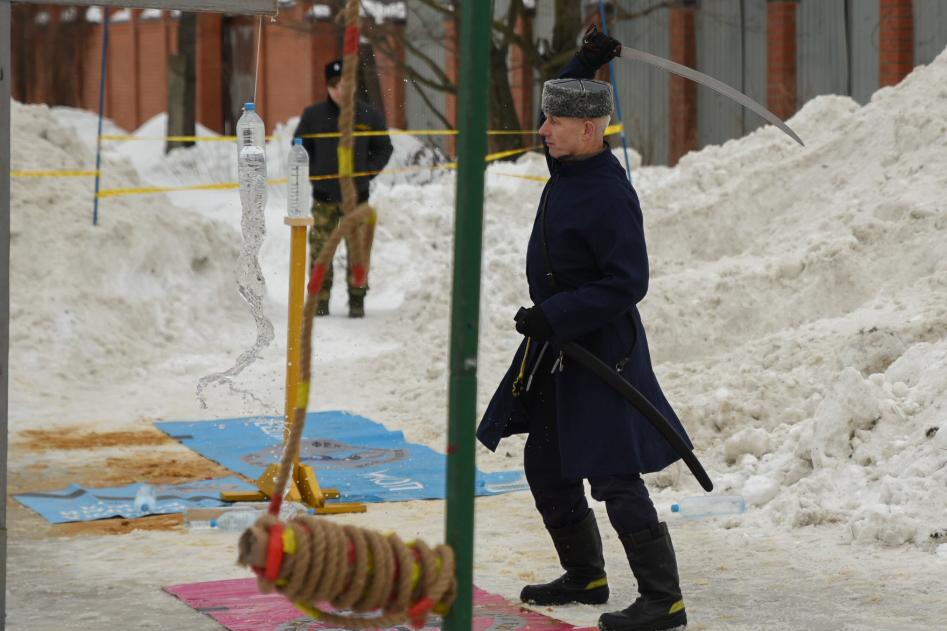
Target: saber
633, 54
631, 394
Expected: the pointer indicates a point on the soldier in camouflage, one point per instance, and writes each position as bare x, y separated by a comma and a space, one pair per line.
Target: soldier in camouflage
371, 155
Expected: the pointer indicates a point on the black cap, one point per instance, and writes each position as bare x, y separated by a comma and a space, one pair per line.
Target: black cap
333, 70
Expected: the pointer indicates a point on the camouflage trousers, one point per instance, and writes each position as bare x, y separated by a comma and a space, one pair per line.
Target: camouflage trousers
326, 217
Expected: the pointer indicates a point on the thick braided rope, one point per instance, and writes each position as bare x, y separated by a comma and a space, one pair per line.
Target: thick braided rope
355, 569
347, 119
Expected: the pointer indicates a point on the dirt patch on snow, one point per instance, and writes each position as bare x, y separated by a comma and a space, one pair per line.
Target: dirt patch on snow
75, 438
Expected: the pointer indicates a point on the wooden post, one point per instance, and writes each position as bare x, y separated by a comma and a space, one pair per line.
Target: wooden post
182, 84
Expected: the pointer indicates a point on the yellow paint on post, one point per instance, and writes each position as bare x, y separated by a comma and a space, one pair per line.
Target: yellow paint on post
297, 288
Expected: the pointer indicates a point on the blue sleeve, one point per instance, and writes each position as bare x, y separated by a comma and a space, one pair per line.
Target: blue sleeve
615, 236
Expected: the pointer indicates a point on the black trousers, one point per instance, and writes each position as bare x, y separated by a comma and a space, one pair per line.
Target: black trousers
562, 501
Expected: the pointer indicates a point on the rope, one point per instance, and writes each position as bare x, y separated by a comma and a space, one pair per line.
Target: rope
311, 560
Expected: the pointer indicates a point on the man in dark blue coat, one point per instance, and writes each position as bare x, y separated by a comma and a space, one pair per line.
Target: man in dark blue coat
587, 268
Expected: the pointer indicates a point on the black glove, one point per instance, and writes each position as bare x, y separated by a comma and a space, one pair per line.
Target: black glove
532, 323
598, 48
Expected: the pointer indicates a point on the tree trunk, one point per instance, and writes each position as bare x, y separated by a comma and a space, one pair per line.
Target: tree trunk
182, 84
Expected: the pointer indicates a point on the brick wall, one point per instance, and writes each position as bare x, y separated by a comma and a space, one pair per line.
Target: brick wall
522, 78
683, 93
210, 71
121, 103
895, 41
154, 44
781, 57
286, 68
391, 78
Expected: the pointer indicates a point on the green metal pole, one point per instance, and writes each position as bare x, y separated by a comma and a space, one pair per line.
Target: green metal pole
465, 306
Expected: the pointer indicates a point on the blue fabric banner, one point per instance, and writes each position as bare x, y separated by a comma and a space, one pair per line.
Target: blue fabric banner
78, 503
361, 458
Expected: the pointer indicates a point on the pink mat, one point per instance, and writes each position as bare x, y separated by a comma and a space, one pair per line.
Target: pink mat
239, 606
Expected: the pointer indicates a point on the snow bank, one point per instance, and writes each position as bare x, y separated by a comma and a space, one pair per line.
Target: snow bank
797, 311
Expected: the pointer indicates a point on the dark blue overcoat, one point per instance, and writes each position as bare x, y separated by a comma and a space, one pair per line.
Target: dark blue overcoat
596, 246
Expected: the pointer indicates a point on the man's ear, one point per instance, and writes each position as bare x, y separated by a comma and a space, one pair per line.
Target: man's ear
588, 128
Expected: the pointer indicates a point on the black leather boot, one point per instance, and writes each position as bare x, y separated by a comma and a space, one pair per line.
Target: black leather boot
322, 307
580, 554
356, 305
660, 605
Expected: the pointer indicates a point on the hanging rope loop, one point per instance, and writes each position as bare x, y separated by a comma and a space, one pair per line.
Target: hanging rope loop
312, 560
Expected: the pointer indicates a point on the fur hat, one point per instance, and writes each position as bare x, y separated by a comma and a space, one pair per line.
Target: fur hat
577, 98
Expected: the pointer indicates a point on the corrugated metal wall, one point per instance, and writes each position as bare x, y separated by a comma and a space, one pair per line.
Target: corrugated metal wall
837, 43
719, 26
822, 50
425, 30
863, 16
930, 29
643, 89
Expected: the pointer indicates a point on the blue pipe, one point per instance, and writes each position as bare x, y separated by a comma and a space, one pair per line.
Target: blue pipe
611, 73
98, 140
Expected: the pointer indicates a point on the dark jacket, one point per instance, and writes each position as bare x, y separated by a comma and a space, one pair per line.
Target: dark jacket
371, 152
595, 237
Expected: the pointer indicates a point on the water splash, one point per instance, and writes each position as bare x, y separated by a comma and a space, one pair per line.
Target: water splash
250, 281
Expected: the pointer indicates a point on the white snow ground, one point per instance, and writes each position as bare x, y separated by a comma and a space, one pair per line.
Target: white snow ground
797, 318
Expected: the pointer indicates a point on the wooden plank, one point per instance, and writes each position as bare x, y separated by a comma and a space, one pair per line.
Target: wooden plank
267, 7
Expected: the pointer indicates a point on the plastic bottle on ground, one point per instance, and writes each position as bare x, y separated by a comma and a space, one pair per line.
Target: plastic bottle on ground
250, 128
146, 499
299, 191
701, 506
236, 520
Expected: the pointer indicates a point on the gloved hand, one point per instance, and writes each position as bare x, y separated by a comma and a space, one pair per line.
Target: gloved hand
598, 48
532, 322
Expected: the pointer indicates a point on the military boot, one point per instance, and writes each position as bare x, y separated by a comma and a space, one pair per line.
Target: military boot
580, 554
660, 605
356, 305
322, 306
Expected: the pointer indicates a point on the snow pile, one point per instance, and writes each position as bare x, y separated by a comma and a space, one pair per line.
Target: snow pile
797, 311
89, 301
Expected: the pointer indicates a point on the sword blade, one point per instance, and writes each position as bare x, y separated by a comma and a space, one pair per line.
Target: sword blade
633, 54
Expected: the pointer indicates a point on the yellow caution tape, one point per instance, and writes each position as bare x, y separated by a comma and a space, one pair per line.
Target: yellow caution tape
122, 192
612, 129
54, 173
126, 138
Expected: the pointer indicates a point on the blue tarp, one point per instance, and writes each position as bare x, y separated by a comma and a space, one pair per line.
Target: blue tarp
361, 458
78, 503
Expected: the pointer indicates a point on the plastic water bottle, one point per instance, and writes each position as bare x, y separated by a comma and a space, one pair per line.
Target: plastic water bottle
300, 191
250, 128
236, 520
251, 173
146, 499
702, 506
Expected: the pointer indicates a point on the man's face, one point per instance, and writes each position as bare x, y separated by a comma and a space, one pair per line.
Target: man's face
335, 89
564, 136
